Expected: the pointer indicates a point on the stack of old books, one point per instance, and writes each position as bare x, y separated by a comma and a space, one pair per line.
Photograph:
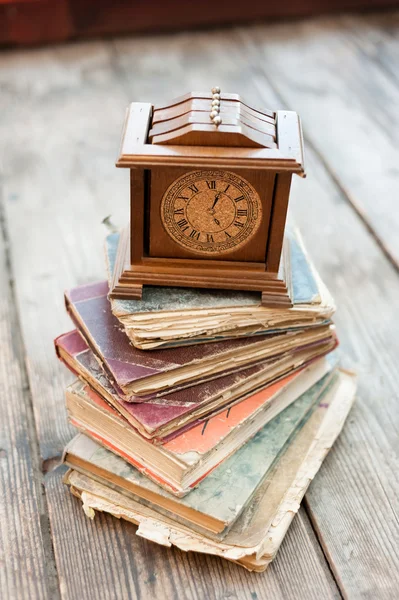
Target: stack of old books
203, 416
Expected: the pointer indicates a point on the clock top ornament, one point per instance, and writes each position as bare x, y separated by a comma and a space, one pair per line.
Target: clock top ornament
210, 183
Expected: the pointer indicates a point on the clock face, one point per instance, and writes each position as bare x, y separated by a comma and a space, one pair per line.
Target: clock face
211, 212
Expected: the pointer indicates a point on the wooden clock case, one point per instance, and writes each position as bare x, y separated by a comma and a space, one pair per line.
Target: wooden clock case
161, 144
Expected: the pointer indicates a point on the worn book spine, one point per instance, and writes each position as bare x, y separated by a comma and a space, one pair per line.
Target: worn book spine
155, 527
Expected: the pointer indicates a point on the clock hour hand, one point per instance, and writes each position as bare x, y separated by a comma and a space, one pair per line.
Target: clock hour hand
215, 201
216, 221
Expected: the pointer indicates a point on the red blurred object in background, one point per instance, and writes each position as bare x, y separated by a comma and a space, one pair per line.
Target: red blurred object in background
44, 21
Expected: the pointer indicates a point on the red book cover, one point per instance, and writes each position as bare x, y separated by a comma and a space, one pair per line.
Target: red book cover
155, 418
148, 373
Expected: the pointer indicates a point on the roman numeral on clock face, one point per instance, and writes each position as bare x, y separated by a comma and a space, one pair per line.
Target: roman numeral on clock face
183, 224
211, 212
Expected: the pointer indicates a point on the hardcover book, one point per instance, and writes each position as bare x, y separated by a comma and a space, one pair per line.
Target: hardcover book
180, 461
139, 374
254, 537
162, 416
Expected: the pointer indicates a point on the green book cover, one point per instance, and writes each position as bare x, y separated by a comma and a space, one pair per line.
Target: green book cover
224, 493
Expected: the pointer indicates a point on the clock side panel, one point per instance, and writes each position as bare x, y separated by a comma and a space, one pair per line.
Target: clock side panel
163, 243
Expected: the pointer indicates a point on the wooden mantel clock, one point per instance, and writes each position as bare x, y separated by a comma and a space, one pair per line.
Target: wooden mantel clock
210, 183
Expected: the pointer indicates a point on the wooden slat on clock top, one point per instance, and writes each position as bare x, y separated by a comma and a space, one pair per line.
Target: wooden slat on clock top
202, 105
133, 152
181, 123
61, 87
225, 97
206, 134
195, 116
203, 156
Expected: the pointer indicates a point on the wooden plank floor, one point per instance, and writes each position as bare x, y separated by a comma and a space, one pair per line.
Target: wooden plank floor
61, 110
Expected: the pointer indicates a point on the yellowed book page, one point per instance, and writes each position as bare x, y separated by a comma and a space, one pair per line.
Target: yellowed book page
255, 538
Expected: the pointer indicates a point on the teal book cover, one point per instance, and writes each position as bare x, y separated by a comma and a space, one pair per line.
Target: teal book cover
225, 492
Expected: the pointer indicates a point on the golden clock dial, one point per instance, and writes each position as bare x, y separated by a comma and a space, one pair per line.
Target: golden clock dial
211, 212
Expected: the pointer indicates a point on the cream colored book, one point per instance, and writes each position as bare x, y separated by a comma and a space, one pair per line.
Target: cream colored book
181, 462
255, 537
169, 316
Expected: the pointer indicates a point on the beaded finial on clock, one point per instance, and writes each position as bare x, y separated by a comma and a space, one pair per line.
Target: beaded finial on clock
215, 107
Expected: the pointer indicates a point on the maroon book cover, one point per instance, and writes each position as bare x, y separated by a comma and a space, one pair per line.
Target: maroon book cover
132, 369
153, 416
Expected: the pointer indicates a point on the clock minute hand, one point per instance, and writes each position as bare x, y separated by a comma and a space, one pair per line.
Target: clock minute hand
215, 201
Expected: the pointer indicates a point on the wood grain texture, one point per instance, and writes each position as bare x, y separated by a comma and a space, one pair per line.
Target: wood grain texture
354, 500
70, 106
108, 560
26, 566
377, 36
61, 112
355, 512
348, 105
55, 200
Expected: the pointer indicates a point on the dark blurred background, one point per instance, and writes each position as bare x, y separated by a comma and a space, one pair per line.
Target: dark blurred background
44, 21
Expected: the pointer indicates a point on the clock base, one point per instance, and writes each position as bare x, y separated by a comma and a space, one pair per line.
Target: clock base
128, 279
130, 285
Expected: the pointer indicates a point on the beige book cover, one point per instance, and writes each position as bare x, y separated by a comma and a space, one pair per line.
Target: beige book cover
255, 537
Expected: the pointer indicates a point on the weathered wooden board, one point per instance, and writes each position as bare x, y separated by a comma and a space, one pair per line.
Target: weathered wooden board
377, 36
353, 502
61, 112
348, 104
105, 558
25, 552
60, 140
60, 116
